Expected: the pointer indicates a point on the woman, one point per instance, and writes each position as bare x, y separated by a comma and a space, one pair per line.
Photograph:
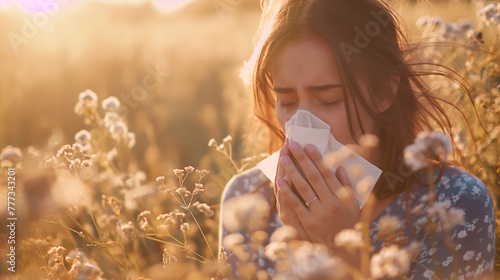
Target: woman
347, 62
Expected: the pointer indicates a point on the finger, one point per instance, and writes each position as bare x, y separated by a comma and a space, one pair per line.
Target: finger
297, 181
293, 201
280, 172
311, 172
301, 232
326, 172
346, 193
289, 218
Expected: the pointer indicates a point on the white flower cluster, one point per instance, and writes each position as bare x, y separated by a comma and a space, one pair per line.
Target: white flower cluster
305, 260
248, 211
82, 267
87, 107
10, 156
115, 123
427, 146
87, 101
490, 14
446, 31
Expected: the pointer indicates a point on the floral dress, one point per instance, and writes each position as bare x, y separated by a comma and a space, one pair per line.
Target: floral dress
472, 250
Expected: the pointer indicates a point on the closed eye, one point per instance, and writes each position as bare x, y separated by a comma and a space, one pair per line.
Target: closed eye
333, 103
287, 105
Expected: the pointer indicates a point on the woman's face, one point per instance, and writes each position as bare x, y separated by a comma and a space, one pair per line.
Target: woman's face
305, 76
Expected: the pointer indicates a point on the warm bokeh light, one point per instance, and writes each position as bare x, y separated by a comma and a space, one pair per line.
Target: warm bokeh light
47, 5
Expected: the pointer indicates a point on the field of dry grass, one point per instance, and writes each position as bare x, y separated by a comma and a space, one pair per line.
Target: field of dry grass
176, 77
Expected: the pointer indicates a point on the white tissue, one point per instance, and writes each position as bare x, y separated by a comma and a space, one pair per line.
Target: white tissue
305, 128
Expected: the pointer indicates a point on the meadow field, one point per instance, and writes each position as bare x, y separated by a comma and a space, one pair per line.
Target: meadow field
142, 91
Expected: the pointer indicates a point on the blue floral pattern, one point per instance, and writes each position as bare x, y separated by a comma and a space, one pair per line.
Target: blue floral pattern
469, 253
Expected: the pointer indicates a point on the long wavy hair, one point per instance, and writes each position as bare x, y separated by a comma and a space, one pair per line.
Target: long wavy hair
368, 43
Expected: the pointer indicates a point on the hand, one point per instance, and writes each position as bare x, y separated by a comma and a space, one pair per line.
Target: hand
335, 207
286, 214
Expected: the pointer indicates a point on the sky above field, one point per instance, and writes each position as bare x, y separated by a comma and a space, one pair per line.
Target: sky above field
43, 5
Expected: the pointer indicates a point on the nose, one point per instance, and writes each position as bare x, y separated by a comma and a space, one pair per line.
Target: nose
305, 104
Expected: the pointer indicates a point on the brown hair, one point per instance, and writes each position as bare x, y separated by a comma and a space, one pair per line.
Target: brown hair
368, 42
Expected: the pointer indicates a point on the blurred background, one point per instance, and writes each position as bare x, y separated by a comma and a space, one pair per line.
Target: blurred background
51, 50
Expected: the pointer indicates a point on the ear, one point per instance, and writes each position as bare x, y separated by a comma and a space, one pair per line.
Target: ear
393, 85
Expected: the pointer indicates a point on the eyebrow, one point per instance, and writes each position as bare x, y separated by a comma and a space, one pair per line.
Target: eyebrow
309, 88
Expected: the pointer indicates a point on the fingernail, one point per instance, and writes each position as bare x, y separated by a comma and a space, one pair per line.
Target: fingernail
294, 146
285, 159
309, 148
280, 181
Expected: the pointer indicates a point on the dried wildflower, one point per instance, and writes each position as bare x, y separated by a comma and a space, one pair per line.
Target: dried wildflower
447, 217
110, 118
284, 234
179, 172
259, 236
388, 225
184, 227
227, 139
86, 163
233, 240
490, 14
350, 239
276, 251
203, 208
198, 187
118, 130
112, 154
127, 230
222, 255
83, 137
88, 96
56, 252
427, 146
189, 169
160, 179
87, 101
170, 218
112, 202
130, 139
10, 156
183, 192
82, 268
143, 220
221, 147
202, 172
107, 222
168, 258
306, 261
212, 143
111, 103
248, 211
391, 261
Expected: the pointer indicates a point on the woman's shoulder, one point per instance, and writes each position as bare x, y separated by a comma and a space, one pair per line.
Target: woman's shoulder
461, 189
458, 183
245, 182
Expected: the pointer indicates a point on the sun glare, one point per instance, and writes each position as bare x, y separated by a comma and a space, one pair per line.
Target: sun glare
46, 5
